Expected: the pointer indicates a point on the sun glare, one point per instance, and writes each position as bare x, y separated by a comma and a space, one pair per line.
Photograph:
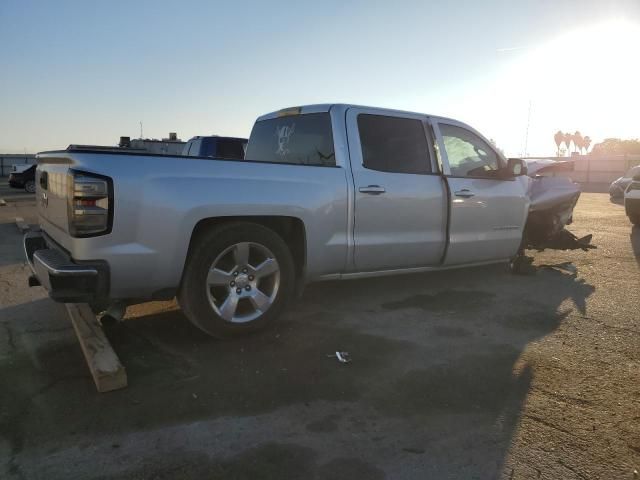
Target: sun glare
585, 79
589, 61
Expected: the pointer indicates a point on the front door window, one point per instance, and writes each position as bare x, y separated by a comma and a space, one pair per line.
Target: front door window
468, 154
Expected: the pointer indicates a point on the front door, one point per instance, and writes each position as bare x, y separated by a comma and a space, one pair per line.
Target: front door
400, 198
488, 211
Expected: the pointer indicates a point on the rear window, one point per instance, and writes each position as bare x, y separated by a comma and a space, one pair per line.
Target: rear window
297, 139
230, 149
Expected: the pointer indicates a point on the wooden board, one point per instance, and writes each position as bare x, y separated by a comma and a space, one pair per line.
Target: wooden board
105, 367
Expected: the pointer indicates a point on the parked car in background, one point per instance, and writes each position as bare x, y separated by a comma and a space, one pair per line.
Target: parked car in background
632, 200
19, 168
325, 192
230, 148
24, 178
619, 185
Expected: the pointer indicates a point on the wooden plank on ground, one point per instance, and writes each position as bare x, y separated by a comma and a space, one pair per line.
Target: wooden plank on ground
105, 367
22, 226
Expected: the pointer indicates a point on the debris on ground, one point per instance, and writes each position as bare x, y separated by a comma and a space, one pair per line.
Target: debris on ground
343, 357
417, 451
22, 226
522, 265
565, 266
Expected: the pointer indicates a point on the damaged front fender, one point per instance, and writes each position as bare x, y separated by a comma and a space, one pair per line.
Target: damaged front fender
552, 200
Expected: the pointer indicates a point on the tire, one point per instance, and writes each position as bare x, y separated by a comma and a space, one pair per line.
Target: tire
30, 186
207, 295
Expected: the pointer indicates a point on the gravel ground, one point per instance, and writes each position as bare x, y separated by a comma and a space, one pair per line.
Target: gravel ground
463, 374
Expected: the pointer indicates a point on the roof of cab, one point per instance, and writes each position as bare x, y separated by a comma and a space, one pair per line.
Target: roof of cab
198, 137
318, 108
325, 107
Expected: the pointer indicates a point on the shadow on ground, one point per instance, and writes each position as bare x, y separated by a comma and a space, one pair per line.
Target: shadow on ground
10, 244
436, 374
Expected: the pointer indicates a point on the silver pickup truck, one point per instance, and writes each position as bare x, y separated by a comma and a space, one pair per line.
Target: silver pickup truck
325, 192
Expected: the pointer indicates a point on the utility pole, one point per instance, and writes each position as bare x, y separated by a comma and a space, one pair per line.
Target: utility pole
141, 136
526, 135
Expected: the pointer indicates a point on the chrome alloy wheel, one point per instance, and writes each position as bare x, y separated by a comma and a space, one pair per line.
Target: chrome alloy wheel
243, 282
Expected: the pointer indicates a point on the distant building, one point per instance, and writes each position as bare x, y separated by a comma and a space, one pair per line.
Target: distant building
167, 146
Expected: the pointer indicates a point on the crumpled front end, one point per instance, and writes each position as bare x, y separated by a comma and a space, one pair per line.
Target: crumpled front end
551, 210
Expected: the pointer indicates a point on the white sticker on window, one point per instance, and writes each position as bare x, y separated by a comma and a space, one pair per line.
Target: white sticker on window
284, 134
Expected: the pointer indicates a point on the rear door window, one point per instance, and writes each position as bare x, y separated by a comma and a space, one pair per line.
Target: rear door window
298, 139
393, 144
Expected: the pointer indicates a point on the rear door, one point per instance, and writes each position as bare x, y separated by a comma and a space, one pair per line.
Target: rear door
400, 206
487, 211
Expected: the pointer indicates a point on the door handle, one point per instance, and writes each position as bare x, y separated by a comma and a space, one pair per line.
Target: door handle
464, 193
372, 189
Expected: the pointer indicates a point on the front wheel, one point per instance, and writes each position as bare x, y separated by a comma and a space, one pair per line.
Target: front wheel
30, 186
237, 279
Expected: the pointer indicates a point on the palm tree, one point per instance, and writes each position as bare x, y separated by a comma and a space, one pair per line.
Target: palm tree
586, 142
558, 138
567, 141
577, 141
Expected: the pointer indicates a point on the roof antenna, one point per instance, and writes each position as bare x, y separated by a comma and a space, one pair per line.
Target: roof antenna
141, 136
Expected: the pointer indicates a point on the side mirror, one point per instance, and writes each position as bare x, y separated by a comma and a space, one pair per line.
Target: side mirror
516, 167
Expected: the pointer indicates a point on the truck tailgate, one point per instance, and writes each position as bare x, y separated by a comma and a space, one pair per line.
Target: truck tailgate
51, 195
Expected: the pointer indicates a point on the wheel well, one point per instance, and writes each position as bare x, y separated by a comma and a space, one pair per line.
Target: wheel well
290, 229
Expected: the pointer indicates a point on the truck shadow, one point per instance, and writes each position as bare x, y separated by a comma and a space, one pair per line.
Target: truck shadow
11, 252
439, 377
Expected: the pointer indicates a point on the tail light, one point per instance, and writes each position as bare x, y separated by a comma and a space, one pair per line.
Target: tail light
89, 204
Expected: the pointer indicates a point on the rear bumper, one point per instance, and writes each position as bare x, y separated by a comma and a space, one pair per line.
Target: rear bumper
64, 279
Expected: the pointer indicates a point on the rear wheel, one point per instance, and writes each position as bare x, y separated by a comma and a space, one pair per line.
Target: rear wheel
30, 186
237, 279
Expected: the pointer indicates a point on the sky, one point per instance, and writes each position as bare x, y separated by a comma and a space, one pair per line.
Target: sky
88, 72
